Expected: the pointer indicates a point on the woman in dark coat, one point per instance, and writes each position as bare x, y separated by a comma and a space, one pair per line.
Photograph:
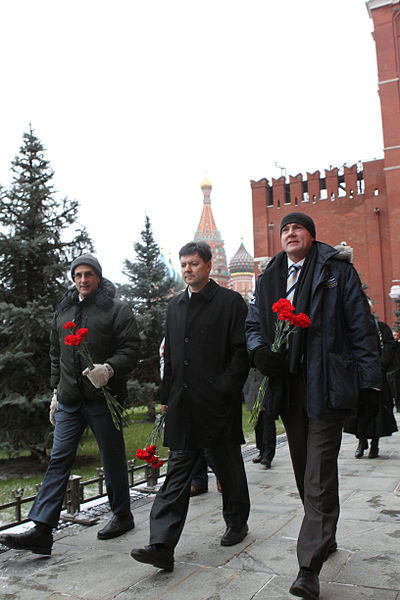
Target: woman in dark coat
384, 423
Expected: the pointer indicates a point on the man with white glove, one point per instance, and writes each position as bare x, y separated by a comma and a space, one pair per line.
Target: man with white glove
53, 408
99, 375
113, 342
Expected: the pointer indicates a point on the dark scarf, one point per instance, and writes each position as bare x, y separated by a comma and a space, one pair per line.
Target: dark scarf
273, 287
302, 302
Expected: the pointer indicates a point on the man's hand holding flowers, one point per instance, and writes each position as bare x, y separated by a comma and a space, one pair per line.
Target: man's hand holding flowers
99, 375
269, 363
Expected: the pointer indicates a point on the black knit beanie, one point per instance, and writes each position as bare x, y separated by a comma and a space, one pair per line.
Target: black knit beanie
302, 219
87, 259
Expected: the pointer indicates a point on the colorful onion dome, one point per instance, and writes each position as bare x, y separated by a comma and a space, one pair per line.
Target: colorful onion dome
172, 273
241, 262
206, 183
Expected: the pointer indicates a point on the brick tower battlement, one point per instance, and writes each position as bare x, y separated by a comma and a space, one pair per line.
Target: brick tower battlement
357, 204
348, 204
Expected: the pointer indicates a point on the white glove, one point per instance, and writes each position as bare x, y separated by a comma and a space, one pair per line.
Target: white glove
99, 375
53, 408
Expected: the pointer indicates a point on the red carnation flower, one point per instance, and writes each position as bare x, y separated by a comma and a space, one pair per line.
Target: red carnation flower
301, 320
283, 305
69, 325
71, 340
82, 333
284, 327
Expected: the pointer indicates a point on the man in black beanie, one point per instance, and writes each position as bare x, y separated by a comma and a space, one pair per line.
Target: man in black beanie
78, 401
328, 370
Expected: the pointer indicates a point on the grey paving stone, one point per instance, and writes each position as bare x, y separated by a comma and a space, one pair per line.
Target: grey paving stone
200, 582
263, 566
372, 569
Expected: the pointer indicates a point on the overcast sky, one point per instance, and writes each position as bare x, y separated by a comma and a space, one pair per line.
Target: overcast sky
136, 101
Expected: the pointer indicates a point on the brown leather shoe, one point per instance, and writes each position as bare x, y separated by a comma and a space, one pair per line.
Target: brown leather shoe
196, 490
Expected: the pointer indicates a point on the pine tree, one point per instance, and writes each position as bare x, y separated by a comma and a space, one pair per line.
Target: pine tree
147, 293
36, 246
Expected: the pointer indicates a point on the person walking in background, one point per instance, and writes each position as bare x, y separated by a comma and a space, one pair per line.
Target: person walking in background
199, 483
78, 402
205, 367
393, 373
384, 423
265, 429
314, 383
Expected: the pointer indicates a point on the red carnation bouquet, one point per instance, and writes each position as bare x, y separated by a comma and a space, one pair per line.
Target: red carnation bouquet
284, 327
77, 339
149, 453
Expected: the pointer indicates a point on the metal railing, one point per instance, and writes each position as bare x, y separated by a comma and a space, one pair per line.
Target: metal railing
75, 493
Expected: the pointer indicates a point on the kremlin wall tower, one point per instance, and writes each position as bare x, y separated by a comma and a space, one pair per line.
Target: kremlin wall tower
357, 205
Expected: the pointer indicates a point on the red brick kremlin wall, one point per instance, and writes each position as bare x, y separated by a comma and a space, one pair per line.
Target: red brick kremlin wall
358, 204
349, 206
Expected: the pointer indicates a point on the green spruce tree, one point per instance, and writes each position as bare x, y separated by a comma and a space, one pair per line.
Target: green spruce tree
147, 293
36, 246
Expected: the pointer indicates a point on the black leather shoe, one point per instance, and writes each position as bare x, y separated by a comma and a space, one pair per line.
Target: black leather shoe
256, 459
331, 549
362, 445
156, 555
265, 463
306, 585
373, 449
234, 535
116, 526
196, 490
33, 540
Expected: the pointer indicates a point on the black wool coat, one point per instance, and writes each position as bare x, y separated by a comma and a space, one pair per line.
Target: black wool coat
384, 423
205, 368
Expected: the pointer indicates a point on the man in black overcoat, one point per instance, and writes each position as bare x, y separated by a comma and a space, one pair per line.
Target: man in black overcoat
205, 368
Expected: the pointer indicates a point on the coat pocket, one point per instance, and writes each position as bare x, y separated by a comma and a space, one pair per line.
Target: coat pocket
343, 382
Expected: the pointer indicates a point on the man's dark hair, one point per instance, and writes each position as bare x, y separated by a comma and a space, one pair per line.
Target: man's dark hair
200, 248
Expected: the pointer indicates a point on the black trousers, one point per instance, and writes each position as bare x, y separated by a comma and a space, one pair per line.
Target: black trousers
314, 447
171, 503
265, 431
200, 473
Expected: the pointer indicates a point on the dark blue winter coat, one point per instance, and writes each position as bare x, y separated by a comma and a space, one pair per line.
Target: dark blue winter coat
341, 356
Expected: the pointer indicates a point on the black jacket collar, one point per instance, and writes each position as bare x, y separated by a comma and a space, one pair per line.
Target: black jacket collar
207, 292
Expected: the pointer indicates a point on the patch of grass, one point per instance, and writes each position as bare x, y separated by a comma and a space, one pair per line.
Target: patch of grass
88, 456
248, 430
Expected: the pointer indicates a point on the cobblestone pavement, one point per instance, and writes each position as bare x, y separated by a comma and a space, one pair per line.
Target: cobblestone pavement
366, 565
